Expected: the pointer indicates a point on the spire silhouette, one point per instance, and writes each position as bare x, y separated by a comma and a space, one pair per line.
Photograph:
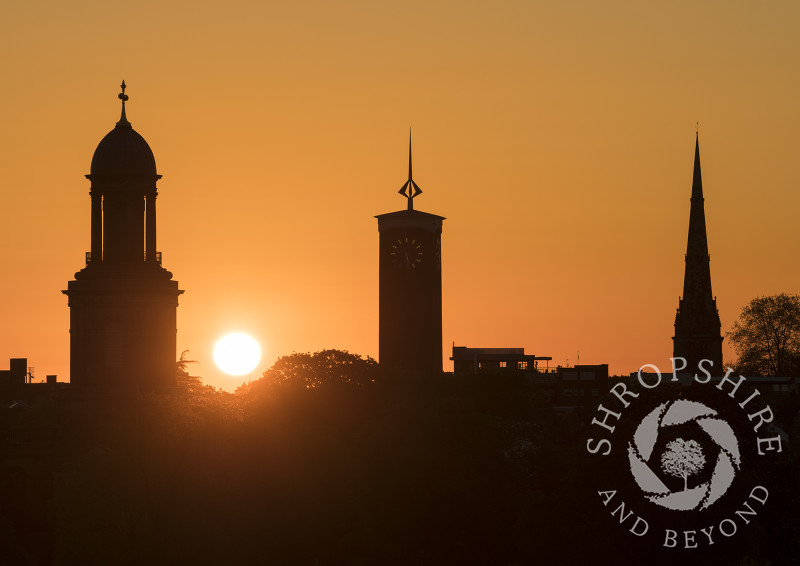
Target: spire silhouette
697, 324
697, 178
123, 121
697, 279
410, 188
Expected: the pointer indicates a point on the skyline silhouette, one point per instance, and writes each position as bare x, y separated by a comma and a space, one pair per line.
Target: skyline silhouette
561, 158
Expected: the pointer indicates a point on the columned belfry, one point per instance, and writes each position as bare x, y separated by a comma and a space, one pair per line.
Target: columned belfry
123, 302
410, 286
697, 325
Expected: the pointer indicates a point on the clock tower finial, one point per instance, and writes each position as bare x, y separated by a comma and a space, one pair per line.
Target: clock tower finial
410, 188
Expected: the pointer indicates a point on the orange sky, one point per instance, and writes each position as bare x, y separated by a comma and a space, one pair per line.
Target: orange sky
556, 137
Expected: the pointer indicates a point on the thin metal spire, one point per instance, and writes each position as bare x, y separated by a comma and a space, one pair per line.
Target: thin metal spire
409, 154
123, 121
406, 189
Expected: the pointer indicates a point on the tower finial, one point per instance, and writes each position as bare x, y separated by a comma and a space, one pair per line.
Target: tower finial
406, 189
409, 153
123, 121
697, 133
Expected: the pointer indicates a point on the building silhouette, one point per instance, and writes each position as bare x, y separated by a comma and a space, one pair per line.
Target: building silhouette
410, 285
123, 302
564, 388
17, 386
697, 326
478, 360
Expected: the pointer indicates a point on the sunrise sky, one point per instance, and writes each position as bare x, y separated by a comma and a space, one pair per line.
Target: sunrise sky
556, 137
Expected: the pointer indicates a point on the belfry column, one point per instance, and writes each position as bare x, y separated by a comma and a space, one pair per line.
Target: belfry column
150, 227
97, 227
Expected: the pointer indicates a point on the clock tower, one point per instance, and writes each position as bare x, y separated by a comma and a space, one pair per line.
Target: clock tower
410, 285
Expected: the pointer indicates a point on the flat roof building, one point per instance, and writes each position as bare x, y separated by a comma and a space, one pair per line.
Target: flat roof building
475, 360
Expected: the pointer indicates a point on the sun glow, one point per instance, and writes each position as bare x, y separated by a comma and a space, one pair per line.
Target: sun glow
237, 354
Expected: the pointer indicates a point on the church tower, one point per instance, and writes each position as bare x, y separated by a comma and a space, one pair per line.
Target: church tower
410, 286
697, 326
123, 302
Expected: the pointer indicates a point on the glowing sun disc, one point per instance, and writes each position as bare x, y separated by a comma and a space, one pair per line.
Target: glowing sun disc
237, 354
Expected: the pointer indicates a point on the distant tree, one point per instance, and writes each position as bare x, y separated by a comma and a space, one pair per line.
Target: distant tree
322, 368
196, 394
767, 336
184, 379
682, 459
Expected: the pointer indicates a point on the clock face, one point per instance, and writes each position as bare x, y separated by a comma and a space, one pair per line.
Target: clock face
406, 253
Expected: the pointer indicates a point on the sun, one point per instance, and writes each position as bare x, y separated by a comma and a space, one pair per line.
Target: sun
237, 354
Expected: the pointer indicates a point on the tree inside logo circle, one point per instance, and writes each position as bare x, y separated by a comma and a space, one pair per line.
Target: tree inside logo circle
683, 458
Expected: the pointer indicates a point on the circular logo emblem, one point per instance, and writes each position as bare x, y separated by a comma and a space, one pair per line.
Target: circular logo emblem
682, 458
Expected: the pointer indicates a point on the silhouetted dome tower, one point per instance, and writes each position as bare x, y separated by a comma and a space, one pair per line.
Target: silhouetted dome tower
123, 302
697, 326
410, 285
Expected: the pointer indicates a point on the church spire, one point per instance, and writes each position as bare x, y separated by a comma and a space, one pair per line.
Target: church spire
697, 180
697, 324
697, 278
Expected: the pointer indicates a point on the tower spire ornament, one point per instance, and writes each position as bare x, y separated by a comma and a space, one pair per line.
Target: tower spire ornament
123, 121
406, 189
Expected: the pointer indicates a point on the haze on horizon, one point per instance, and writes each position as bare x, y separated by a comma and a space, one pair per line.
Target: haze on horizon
557, 140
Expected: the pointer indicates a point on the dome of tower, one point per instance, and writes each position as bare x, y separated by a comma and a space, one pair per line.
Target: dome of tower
123, 152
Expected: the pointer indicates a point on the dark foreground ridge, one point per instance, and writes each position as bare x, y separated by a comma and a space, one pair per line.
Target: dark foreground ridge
328, 460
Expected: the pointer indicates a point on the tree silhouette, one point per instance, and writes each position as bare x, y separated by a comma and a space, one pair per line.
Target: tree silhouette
682, 459
324, 368
767, 336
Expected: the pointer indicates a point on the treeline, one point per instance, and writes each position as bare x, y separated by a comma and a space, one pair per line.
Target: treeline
328, 460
